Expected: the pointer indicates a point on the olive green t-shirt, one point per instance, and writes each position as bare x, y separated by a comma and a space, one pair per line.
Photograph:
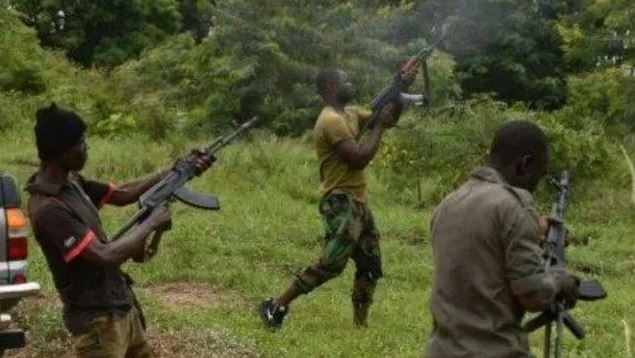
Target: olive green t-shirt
331, 128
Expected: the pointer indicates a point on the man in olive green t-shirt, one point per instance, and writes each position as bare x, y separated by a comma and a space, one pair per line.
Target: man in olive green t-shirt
332, 128
349, 226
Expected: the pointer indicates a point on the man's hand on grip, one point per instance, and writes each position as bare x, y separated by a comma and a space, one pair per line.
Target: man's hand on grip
544, 224
389, 116
160, 219
409, 72
568, 289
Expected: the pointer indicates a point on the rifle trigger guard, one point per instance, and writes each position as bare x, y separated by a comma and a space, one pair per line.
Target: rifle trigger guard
201, 201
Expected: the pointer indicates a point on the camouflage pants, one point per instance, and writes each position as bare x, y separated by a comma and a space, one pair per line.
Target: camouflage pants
108, 336
349, 233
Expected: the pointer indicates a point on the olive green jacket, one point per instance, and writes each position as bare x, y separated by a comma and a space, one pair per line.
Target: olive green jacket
485, 241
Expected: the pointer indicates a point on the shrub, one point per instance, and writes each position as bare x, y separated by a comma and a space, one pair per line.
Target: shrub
440, 147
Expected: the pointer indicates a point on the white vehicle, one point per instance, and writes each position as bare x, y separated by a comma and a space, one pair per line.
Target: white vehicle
14, 229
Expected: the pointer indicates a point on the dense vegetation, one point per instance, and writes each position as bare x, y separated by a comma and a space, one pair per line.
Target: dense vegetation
157, 77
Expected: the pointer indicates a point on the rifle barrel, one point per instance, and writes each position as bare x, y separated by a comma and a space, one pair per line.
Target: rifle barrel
221, 142
424, 53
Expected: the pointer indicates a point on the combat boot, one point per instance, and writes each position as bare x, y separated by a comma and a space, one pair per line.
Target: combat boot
272, 314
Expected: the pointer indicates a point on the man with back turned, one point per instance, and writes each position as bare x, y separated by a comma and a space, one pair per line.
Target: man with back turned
488, 265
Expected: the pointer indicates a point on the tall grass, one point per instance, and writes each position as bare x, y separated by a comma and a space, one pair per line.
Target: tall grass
268, 228
627, 339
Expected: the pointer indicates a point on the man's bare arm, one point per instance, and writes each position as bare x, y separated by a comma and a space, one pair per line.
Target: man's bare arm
129, 245
129, 192
358, 155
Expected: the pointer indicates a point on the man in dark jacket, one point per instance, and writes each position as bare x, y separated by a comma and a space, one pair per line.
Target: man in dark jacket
488, 266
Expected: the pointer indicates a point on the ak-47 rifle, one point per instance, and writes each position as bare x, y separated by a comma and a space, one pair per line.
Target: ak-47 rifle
172, 186
395, 92
554, 254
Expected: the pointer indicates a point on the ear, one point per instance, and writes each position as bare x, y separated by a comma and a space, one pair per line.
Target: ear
524, 165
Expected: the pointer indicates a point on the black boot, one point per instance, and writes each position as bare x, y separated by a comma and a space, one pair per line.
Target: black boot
272, 314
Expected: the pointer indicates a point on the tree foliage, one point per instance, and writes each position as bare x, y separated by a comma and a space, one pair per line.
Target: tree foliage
602, 35
102, 32
516, 50
509, 48
262, 58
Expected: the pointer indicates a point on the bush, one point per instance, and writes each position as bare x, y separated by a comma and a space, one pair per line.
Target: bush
263, 60
604, 96
581, 147
186, 78
21, 65
102, 32
440, 147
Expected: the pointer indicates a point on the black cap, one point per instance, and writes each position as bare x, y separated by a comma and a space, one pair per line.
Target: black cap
56, 131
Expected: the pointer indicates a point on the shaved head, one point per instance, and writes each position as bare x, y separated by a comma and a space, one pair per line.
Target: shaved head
520, 152
326, 78
333, 86
519, 138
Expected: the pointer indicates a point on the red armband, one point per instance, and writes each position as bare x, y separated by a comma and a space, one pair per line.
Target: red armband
80, 246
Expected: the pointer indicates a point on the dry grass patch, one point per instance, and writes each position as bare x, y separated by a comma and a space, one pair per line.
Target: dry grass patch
45, 311
180, 295
198, 343
44, 300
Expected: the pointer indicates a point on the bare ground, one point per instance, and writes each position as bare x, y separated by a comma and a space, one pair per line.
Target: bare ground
55, 341
179, 295
198, 343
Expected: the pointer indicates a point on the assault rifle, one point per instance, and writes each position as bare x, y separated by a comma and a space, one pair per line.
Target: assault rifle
554, 255
172, 186
394, 93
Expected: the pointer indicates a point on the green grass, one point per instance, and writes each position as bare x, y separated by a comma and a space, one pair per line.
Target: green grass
269, 228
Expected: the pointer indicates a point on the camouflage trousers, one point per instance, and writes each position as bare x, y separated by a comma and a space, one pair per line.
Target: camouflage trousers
349, 233
109, 336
